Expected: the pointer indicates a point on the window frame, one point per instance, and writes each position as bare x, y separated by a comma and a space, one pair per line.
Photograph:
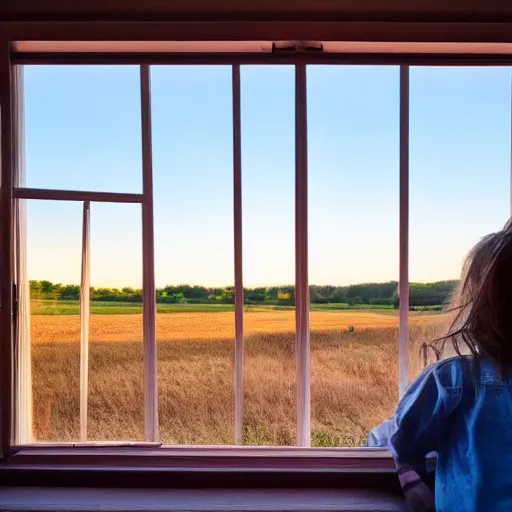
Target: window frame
193, 466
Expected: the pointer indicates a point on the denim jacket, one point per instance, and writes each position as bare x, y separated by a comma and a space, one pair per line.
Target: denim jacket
461, 409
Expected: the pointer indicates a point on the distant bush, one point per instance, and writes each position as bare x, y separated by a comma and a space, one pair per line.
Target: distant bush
381, 302
365, 294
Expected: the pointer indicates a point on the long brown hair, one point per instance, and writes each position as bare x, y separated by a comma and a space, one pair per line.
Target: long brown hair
481, 305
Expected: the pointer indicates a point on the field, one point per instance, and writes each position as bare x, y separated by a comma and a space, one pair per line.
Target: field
353, 374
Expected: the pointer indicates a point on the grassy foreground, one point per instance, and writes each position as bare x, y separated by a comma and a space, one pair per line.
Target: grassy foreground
72, 307
353, 376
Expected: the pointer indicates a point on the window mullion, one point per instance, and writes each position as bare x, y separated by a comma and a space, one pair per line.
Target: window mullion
301, 260
85, 285
403, 283
47, 194
22, 346
148, 259
237, 226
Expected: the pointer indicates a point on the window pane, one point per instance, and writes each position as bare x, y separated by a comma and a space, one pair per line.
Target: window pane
115, 391
116, 364
353, 135
54, 241
83, 128
459, 182
193, 193
268, 180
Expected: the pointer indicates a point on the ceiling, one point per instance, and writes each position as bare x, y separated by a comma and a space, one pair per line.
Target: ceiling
248, 10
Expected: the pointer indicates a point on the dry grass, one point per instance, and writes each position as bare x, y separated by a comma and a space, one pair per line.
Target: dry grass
353, 376
206, 326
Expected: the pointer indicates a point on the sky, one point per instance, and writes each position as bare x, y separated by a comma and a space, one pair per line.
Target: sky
83, 132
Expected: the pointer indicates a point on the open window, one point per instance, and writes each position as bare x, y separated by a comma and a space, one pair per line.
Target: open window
215, 252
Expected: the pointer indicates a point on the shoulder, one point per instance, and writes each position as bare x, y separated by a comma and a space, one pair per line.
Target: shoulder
452, 372
456, 371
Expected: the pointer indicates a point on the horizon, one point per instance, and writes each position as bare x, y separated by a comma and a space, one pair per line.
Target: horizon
83, 133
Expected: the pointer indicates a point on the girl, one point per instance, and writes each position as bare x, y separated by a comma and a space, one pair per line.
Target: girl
461, 408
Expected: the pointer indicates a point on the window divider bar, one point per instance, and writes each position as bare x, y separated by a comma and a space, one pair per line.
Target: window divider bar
238, 248
403, 283
85, 287
76, 195
302, 335
21, 320
148, 263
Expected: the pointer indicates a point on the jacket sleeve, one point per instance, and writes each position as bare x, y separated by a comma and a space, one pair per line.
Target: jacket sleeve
422, 414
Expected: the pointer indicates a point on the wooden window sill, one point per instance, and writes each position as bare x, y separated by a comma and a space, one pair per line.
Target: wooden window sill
213, 468
114, 500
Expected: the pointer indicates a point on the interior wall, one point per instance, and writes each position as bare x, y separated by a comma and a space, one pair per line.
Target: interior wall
369, 10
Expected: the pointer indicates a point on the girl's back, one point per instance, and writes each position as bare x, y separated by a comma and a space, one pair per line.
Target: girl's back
461, 408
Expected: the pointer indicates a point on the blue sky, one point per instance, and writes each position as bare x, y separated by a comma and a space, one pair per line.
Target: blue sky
83, 132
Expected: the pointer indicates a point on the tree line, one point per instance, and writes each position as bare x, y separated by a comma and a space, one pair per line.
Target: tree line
377, 294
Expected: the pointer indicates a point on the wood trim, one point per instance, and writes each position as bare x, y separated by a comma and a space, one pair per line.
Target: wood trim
122, 459
211, 500
85, 289
76, 195
238, 259
201, 467
302, 334
403, 280
148, 265
6, 249
249, 47
203, 451
22, 361
389, 31
411, 59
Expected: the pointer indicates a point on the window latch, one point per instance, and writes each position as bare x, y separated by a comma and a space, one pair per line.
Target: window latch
297, 46
14, 300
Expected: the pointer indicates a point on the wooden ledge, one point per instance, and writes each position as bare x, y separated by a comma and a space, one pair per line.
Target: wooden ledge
123, 500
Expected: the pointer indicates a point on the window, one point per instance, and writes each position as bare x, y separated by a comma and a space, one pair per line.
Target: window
268, 198
459, 183
353, 150
218, 254
193, 205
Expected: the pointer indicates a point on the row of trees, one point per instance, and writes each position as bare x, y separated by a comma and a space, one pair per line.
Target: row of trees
421, 294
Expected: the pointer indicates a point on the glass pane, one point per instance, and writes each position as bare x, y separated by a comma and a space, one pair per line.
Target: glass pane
193, 183
53, 244
459, 183
353, 136
116, 388
82, 128
116, 364
268, 180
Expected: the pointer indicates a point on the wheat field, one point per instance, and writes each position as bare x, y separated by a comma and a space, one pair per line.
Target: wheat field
354, 376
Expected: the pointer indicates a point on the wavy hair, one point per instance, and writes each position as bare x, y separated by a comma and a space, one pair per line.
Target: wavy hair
481, 304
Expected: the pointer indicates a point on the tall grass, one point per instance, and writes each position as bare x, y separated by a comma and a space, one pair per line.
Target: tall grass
353, 387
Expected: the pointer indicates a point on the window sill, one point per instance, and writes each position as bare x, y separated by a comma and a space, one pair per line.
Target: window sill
114, 500
155, 456
200, 467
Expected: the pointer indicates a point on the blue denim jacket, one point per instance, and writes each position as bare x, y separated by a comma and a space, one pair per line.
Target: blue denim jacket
462, 409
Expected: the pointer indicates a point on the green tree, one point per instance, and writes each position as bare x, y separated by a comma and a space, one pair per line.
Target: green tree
69, 292
47, 287
228, 295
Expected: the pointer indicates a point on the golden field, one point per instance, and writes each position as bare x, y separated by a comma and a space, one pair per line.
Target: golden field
354, 375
